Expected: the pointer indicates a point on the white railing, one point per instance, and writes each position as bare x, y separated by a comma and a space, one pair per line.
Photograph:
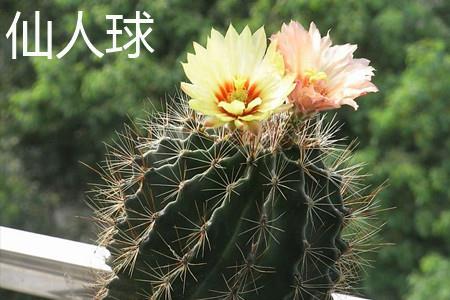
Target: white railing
54, 268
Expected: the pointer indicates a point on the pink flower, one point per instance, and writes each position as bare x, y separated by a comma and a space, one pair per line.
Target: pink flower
327, 77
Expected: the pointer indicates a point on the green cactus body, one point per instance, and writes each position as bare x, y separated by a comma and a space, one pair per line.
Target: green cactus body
191, 213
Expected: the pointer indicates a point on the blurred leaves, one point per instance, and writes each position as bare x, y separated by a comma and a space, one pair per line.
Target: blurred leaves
411, 134
431, 282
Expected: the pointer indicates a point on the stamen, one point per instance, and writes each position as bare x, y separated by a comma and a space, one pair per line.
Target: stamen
237, 97
314, 76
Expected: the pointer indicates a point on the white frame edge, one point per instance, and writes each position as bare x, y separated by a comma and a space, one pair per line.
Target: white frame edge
55, 268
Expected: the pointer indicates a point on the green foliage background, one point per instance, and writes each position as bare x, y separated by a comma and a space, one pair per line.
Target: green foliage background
56, 113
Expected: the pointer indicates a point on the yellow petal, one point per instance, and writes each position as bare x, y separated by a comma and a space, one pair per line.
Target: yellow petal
254, 103
204, 107
260, 42
198, 49
275, 57
235, 108
254, 117
224, 117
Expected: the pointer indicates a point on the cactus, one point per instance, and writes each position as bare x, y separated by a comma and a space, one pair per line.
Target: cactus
190, 212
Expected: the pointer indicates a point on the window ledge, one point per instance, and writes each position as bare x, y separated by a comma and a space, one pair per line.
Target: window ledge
54, 268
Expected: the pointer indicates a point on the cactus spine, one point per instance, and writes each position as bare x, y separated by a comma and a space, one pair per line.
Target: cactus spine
195, 213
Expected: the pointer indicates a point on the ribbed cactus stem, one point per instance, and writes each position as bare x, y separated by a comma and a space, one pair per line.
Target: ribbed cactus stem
194, 213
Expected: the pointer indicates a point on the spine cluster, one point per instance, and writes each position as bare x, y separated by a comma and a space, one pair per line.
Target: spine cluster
195, 213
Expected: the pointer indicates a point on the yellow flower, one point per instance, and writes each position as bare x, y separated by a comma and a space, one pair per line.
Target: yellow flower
236, 79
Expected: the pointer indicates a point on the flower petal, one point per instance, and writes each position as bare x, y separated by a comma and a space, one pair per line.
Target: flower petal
235, 108
236, 79
254, 103
327, 76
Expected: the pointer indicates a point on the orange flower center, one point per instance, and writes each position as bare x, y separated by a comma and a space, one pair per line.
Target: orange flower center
315, 79
238, 98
